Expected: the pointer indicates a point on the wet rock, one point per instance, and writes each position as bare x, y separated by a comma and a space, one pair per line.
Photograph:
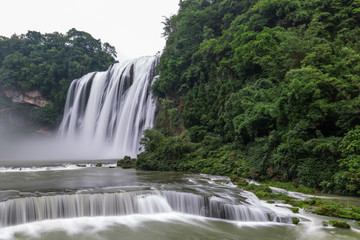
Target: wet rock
339, 224
295, 220
294, 209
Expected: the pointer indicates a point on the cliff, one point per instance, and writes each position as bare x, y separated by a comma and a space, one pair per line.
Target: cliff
19, 112
31, 97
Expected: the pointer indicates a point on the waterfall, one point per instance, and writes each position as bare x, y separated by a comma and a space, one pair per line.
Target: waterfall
107, 112
30, 209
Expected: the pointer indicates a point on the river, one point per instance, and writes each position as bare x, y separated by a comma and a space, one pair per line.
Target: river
60, 200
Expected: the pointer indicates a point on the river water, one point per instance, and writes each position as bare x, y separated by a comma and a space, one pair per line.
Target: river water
81, 201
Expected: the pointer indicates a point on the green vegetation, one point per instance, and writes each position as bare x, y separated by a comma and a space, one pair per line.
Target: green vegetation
263, 191
339, 224
295, 220
126, 162
49, 62
161, 152
291, 187
261, 89
326, 207
294, 209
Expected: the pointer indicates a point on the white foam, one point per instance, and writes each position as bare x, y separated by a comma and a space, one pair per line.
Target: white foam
64, 167
73, 226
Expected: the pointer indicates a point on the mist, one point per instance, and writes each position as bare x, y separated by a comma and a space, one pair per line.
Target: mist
37, 150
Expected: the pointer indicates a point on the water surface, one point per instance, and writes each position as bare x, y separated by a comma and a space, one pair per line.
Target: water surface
38, 180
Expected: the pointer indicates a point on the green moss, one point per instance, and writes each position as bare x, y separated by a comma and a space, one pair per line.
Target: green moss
271, 201
258, 188
263, 191
291, 186
295, 220
339, 224
240, 182
295, 209
326, 207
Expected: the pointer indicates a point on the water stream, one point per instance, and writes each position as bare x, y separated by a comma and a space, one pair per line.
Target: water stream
67, 201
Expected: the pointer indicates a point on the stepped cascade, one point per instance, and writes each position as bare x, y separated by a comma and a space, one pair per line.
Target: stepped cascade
109, 111
30, 209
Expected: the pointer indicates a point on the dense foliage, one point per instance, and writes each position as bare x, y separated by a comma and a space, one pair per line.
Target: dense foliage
269, 87
49, 62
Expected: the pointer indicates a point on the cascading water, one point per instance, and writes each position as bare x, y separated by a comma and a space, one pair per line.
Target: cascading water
107, 112
108, 202
29, 209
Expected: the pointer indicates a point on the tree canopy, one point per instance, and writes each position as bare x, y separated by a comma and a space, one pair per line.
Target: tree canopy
49, 62
274, 82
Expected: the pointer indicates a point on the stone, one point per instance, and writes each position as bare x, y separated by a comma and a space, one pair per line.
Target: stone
31, 97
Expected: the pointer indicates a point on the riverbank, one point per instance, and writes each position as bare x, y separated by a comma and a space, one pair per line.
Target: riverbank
326, 206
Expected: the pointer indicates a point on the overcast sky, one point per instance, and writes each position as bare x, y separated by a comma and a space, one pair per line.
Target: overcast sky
133, 26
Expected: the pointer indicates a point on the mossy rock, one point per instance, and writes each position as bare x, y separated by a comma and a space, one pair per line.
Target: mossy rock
98, 165
271, 201
240, 182
295, 220
295, 209
358, 223
339, 224
266, 188
81, 165
325, 223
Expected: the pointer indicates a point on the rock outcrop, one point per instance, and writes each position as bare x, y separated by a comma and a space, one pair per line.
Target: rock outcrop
14, 120
31, 97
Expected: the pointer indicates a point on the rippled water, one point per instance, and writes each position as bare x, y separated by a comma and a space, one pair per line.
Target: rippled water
39, 181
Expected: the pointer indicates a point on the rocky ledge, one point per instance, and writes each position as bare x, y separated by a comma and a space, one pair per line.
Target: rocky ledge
31, 97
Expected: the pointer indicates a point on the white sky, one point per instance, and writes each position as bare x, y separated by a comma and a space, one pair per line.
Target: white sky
133, 26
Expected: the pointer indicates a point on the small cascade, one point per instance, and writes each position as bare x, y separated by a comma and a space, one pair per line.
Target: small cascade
30, 209
107, 112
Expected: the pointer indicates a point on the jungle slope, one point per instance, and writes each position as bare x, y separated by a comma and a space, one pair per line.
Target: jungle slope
261, 89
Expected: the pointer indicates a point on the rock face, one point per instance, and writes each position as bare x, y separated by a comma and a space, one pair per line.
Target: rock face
13, 119
44, 132
31, 97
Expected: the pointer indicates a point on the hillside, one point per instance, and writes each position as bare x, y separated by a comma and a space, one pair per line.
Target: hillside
265, 89
45, 65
